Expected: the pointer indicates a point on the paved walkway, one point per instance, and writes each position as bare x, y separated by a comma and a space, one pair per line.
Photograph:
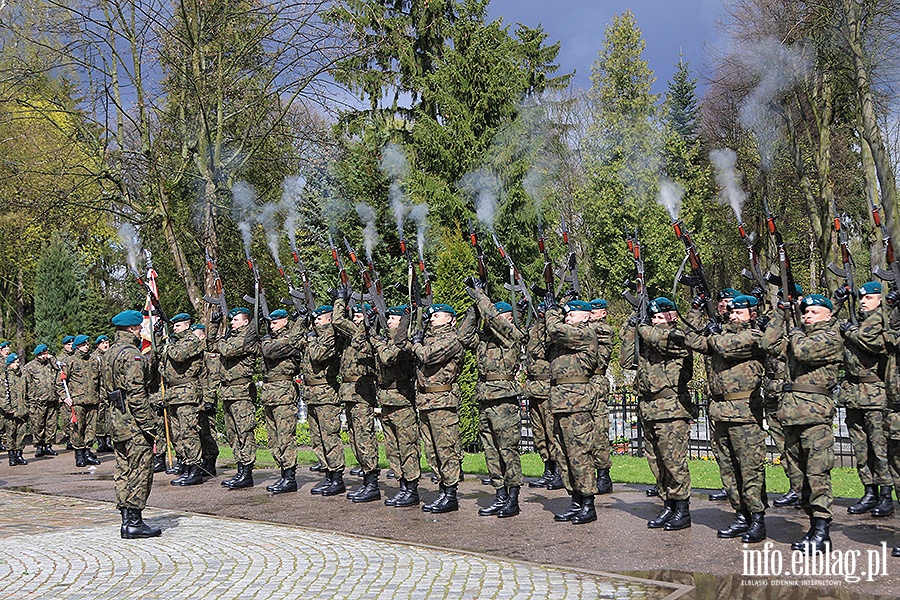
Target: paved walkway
58, 547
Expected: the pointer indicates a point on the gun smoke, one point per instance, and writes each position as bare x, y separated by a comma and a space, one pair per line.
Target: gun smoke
729, 180
370, 233
394, 164
485, 187
292, 190
128, 235
244, 211
670, 196
419, 215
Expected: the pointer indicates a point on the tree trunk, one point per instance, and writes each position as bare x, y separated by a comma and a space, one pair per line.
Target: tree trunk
876, 242
20, 313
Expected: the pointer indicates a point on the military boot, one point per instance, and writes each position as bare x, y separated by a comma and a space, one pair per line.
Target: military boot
411, 498
604, 482
79, 458
757, 530
738, 527
719, 496
317, 490
193, 476
816, 538
895, 551
663, 517
866, 503
124, 514
511, 508
288, 482
430, 506
271, 486
208, 466
370, 491
134, 527
159, 463
89, 458
244, 479
587, 514
544, 479
20, 460
49, 451
574, 509
177, 468
104, 444
357, 471
392, 501
357, 491
336, 486
556, 483
318, 468
792, 498
681, 519
448, 503
500, 498
652, 491
885, 507
227, 482
39, 451
12, 458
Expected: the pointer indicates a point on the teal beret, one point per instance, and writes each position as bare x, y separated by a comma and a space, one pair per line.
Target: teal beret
101, 338
197, 326
870, 287
79, 340
574, 305
278, 313
324, 309
541, 308
357, 308
68, 338
798, 291
396, 311
128, 318
4, 344
40, 348
727, 293
180, 317
503, 307
659, 305
815, 300
238, 311
598, 303
435, 308
11, 358
742, 301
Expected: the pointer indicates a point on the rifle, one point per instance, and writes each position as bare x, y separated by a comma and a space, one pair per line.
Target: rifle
342, 272
517, 283
258, 299
219, 298
892, 274
417, 302
754, 273
306, 293
479, 255
697, 279
569, 273
295, 296
641, 301
371, 282
786, 276
549, 284
845, 273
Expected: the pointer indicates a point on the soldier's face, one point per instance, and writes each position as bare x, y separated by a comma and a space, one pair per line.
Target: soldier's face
85, 348
598, 313
577, 316
870, 302
816, 314
279, 323
357, 317
4, 351
67, 347
199, 333
103, 346
507, 316
741, 315
322, 319
670, 316
239, 320
43, 356
180, 326
14, 365
440, 318
393, 321
722, 306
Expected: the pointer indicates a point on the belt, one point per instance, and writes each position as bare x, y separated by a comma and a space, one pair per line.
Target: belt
241, 381
434, 389
310, 381
561, 380
538, 378
734, 396
495, 377
862, 378
359, 379
174, 383
804, 388
275, 378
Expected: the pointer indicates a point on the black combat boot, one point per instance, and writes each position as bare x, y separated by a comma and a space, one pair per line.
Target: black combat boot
39, 450
244, 479
318, 468
134, 527
792, 498
511, 508
208, 466
652, 492
411, 498
587, 514
370, 491
357, 491
193, 476
486, 480
574, 509
719, 496
392, 501
49, 451
89, 457
556, 483
357, 471
604, 482
544, 479
12, 458
271, 486
391, 474
816, 538
662, 518
227, 482
159, 463
177, 468
104, 444
430, 506
336, 486
867, 502
317, 490
69, 445
448, 503
885, 507
79, 458
288, 482
20, 460
757, 530
895, 551
738, 527
500, 498
682, 517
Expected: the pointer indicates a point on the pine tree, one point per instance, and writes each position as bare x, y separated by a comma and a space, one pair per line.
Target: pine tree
681, 102
57, 293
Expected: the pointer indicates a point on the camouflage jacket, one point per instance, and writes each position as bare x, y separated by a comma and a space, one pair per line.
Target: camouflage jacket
497, 347
97, 357
735, 371
42, 384
891, 324
237, 352
606, 337
665, 367
182, 367
210, 377
281, 352
439, 361
12, 394
573, 360
320, 365
125, 368
865, 360
813, 356
537, 367
396, 372
357, 356
83, 379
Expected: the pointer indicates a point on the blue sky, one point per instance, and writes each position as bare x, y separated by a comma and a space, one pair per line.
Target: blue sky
668, 26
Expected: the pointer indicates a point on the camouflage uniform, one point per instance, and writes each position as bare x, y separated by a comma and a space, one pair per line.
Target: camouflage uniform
82, 377
357, 390
134, 431
42, 394
774, 370
497, 350
14, 408
600, 410
182, 366
537, 390
206, 419
663, 372
102, 429
892, 388
320, 365
237, 355
281, 356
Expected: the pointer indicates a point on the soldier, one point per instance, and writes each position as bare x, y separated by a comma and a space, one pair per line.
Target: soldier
281, 352
63, 422
735, 371
320, 366
42, 394
537, 390
357, 391
863, 393
15, 409
82, 377
206, 418
104, 443
664, 369
813, 353
5, 351
439, 361
891, 324
180, 369
723, 297
396, 395
606, 336
237, 349
497, 347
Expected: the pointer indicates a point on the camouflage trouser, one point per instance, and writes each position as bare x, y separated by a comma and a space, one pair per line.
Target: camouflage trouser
184, 425
542, 427
602, 447
102, 418
133, 475
866, 429
669, 443
427, 444
206, 420
55, 417
574, 433
361, 424
84, 429
500, 430
325, 421
281, 428
811, 447
443, 429
14, 432
240, 425
776, 431
43, 423
401, 440
892, 432
742, 464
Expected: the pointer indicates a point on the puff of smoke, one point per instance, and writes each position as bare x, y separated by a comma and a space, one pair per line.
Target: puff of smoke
396, 167
268, 219
129, 236
292, 190
485, 187
419, 215
370, 233
244, 211
729, 179
670, 196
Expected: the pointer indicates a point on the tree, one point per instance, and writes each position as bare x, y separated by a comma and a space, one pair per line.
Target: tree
57, 293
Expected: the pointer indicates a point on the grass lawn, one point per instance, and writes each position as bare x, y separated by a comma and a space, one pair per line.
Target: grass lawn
625, 469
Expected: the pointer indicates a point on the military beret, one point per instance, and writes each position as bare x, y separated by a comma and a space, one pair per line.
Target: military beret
180, 317
101, 338
11, 358
576, 305
797, 290
659, 305
322, 310
238, 311
598, 303
278, 313
128, 318
742, 301
4, 344
68, 338
727, 293
815, 300
39, 349
357, 308
541, 308
503, 307
197, 326
871, 287
80, 339
396, 311
435, 308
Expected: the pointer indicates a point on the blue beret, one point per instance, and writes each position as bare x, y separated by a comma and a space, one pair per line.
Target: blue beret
815, 300
357, 308
68, 338
573, 305
80, 339
278, 313
742, 301
324, 309
4, 344
240, 310
503, 307
40, 348
598, 303
128, 318
728, 293
11, 358
197, 326
798, 291
435, 308
661, 304
541, 308
101, 338
396, 311
871, 287
180, 317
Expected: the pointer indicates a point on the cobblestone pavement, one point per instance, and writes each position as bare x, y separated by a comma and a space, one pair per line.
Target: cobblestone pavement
57, 547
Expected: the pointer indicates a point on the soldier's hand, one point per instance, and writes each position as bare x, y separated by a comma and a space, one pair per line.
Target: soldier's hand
418, 337
713, 327
762, 321
698, 302
892, 298
522, 305
782, 305
758, 293
300, 313
471, 282
632, 320
343, 291
216, 317
845, 326
550, 300
841, 293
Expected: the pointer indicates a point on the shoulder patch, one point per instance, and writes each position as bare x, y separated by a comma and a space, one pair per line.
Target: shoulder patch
138, 357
